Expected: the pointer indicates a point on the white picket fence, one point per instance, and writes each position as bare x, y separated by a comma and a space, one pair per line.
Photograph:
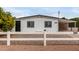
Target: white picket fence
44, 39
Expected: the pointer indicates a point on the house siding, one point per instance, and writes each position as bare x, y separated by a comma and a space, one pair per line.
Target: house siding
39, 24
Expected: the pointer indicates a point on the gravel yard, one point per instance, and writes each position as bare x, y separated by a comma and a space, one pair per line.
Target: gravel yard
40, 36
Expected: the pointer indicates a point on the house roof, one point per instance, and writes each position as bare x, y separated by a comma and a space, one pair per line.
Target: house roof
60, 19
40, 16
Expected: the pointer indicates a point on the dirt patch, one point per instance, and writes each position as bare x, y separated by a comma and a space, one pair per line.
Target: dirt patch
54, 42
39, 48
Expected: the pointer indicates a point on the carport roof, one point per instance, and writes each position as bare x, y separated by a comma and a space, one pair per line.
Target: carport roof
67, 21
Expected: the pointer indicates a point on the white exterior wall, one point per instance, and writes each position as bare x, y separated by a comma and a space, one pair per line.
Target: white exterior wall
38, 25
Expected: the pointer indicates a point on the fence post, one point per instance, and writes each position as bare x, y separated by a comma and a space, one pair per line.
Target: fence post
8, 38
44, 38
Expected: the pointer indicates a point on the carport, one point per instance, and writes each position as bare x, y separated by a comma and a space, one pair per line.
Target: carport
64, 25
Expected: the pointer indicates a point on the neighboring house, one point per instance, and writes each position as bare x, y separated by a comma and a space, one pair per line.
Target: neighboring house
37, 23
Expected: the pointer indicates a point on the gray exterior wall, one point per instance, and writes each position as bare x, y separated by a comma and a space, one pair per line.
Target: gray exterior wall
39, 24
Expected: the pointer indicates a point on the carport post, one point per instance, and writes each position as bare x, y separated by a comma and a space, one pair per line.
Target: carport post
75, 25
8, 38
44, 38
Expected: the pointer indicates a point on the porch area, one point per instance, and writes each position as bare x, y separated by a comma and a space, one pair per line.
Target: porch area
65, 25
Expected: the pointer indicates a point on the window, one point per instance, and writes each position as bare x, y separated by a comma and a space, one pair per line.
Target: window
30, 23
48, 23
55, 22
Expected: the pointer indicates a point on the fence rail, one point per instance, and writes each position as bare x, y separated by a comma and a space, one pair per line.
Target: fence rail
44, 39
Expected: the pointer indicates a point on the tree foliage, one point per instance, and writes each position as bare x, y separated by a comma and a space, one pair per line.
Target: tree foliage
77, 21
63, 18
6, 20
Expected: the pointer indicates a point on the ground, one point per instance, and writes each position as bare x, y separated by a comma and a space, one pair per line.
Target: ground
39, 48
38, 45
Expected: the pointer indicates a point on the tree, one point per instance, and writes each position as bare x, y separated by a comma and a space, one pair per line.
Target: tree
77, 21
7, 21
63, 18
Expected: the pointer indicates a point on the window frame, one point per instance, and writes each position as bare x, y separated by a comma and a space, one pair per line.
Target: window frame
48, 26
30, 26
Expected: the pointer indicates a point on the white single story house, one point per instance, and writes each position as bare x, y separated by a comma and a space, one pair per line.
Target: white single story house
37, 23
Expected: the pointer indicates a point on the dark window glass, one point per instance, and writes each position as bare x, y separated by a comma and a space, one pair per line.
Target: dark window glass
48, 23
18, 26
71, 24
30, 23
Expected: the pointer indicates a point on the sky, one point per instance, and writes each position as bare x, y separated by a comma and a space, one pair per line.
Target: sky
67, 12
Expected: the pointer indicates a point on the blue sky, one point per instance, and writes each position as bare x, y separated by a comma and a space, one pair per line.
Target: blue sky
68, 12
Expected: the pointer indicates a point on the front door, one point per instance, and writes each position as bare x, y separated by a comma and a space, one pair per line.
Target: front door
18, 26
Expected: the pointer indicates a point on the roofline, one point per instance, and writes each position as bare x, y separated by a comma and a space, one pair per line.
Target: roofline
40, 16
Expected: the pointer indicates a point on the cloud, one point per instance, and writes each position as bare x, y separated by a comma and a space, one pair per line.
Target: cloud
56, 15
27, 11
16, 12
75, 10
51, 11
